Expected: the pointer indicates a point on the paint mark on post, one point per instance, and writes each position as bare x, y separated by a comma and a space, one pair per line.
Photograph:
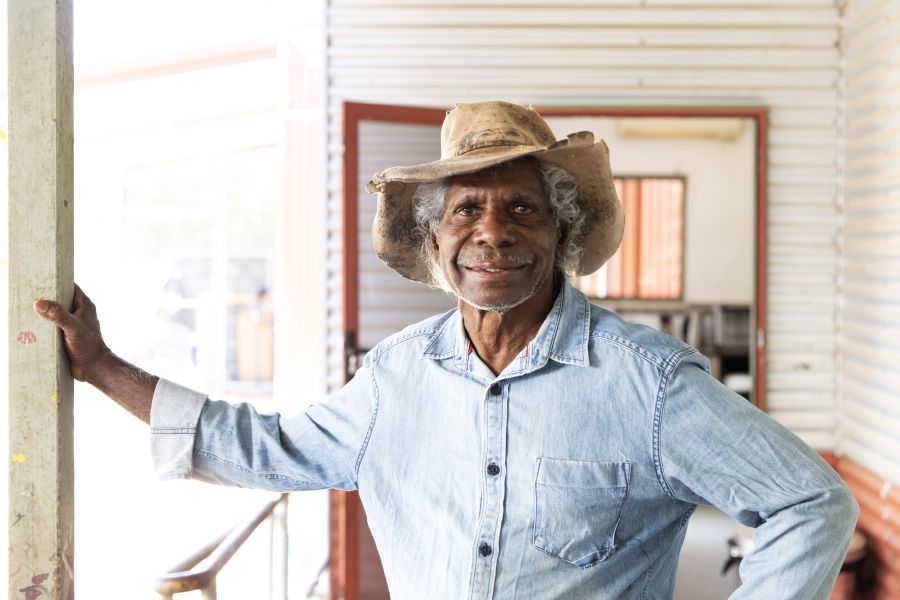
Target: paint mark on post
18, 458
36, 590
55, 398
26, 337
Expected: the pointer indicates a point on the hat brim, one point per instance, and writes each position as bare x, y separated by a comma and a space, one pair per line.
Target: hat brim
394, 229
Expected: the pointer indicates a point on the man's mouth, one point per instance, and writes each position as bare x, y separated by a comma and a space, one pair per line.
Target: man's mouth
494, 269
495, 264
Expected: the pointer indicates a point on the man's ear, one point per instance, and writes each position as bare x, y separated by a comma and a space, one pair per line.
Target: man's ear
434, 242
562, 240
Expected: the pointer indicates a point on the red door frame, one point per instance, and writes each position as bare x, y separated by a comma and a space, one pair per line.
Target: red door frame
345, 507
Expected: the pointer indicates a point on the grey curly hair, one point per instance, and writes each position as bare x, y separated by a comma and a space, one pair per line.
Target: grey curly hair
560, 189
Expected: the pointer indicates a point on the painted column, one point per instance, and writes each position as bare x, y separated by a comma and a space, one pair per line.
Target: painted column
41, 206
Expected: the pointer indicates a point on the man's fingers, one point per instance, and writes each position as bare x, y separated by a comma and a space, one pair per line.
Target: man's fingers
79, 296
54, 313
80, 300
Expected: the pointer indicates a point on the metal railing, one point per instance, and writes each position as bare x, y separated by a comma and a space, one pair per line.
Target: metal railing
187, 577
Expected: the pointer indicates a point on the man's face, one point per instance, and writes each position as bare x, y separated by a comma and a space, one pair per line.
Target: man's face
496, 242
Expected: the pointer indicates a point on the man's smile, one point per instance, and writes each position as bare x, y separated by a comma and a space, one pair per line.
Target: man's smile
494, 273
493, 262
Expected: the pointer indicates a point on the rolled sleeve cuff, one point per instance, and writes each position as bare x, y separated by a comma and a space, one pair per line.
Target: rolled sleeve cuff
173, 424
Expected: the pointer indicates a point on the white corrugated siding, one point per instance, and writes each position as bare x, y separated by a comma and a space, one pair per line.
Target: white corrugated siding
870, 256
783, 55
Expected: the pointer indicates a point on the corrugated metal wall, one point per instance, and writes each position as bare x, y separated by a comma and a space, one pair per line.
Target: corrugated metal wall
870, 256
783, 55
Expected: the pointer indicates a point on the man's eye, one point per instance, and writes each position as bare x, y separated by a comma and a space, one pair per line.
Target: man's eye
466, 211
522, 209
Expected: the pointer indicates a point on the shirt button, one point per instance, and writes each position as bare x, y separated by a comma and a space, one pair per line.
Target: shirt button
485, 550
495, 390
493, 469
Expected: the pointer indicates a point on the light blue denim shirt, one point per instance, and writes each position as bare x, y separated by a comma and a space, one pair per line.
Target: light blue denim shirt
572, 474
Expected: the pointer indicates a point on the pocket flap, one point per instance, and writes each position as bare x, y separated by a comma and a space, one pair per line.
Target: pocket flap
580, 474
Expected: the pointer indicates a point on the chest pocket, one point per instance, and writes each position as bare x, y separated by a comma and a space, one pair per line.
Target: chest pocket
577, 508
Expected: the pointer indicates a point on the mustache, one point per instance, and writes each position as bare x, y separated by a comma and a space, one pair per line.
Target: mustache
479, 258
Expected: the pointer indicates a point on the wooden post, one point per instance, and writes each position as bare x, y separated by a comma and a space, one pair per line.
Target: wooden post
41, 515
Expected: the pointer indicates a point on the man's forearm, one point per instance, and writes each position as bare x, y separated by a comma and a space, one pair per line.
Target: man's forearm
131, 387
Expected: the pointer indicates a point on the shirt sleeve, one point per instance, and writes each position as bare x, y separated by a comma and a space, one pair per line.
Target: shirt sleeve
715, 447
174, 413
232, 444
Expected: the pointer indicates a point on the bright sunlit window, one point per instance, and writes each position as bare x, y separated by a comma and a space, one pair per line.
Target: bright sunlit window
206, 222
180, 127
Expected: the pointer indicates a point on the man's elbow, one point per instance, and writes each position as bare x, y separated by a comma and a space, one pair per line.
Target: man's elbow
843, 510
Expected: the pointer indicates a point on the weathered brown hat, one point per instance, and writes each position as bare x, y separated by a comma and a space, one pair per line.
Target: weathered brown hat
484, 134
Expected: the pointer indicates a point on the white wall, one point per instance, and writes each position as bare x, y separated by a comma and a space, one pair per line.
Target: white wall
719, 206
870, 253
783, 55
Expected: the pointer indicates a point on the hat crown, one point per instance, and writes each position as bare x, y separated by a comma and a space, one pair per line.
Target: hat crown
469, 128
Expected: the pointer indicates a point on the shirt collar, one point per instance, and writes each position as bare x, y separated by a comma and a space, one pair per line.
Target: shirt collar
563, 336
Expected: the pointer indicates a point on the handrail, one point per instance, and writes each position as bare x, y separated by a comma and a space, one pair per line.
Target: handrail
312, 586
181, 577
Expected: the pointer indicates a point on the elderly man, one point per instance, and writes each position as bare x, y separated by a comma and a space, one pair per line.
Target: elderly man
526, 444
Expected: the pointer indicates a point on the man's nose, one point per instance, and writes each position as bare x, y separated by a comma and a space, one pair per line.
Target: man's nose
495, 229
